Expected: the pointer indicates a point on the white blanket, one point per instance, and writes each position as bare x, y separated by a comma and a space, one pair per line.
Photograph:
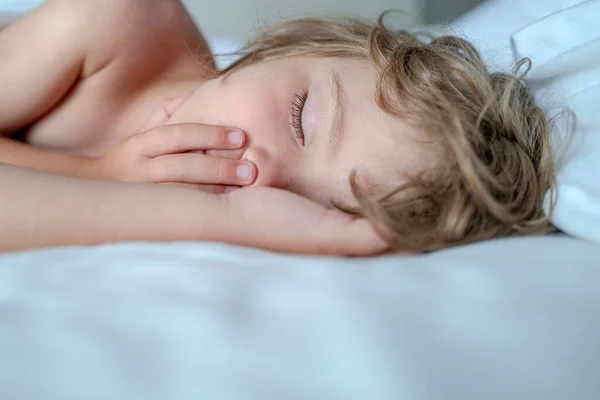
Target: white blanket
508, 319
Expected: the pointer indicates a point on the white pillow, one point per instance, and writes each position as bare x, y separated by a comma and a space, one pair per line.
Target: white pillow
562, 38
490, 25
565, 51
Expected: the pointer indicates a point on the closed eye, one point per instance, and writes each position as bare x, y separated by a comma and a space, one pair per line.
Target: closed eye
296, 116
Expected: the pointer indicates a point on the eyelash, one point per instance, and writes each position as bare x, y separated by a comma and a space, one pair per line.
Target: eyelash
297, 108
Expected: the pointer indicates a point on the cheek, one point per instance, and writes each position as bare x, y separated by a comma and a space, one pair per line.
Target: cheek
260, 111
243, 106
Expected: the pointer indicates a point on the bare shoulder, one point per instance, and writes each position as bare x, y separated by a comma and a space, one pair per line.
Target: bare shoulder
131, 18
138, 30
121, 16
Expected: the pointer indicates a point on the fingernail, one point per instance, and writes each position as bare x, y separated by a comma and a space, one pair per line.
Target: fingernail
230, 189
235, 138
243, 172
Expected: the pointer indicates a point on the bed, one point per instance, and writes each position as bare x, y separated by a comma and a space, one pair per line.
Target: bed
506, 319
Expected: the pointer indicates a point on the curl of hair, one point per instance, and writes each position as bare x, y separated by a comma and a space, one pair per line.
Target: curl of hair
497, 137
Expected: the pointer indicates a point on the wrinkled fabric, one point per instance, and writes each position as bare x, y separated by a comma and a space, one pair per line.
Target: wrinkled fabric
514, 319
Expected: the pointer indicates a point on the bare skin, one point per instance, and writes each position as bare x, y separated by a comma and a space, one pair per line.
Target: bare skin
88, 90
94, 89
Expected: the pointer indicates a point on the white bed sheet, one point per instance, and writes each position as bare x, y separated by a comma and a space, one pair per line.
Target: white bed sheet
508, 319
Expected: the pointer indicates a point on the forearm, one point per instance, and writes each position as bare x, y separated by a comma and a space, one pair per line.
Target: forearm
45, 160
44, 210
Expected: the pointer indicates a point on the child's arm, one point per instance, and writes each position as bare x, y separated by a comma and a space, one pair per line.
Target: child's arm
41, 57
45, 53
43, 210
26, 156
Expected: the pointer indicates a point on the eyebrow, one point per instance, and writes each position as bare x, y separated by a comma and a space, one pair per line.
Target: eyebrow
336, 128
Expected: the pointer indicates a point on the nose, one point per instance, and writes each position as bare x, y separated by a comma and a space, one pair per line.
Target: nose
270, 168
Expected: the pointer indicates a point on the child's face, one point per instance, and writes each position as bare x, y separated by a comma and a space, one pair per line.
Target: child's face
343, 127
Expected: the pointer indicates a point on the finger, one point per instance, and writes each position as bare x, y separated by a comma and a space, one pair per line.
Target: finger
229, 189
201, 169
180, 138
217, 189
231, 154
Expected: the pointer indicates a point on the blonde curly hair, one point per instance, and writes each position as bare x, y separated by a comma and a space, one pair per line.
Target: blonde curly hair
495, 134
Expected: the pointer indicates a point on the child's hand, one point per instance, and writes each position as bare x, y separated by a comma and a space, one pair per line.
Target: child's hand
175, 154
282, 221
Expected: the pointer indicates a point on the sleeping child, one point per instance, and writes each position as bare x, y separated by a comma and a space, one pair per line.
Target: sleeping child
326, 136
